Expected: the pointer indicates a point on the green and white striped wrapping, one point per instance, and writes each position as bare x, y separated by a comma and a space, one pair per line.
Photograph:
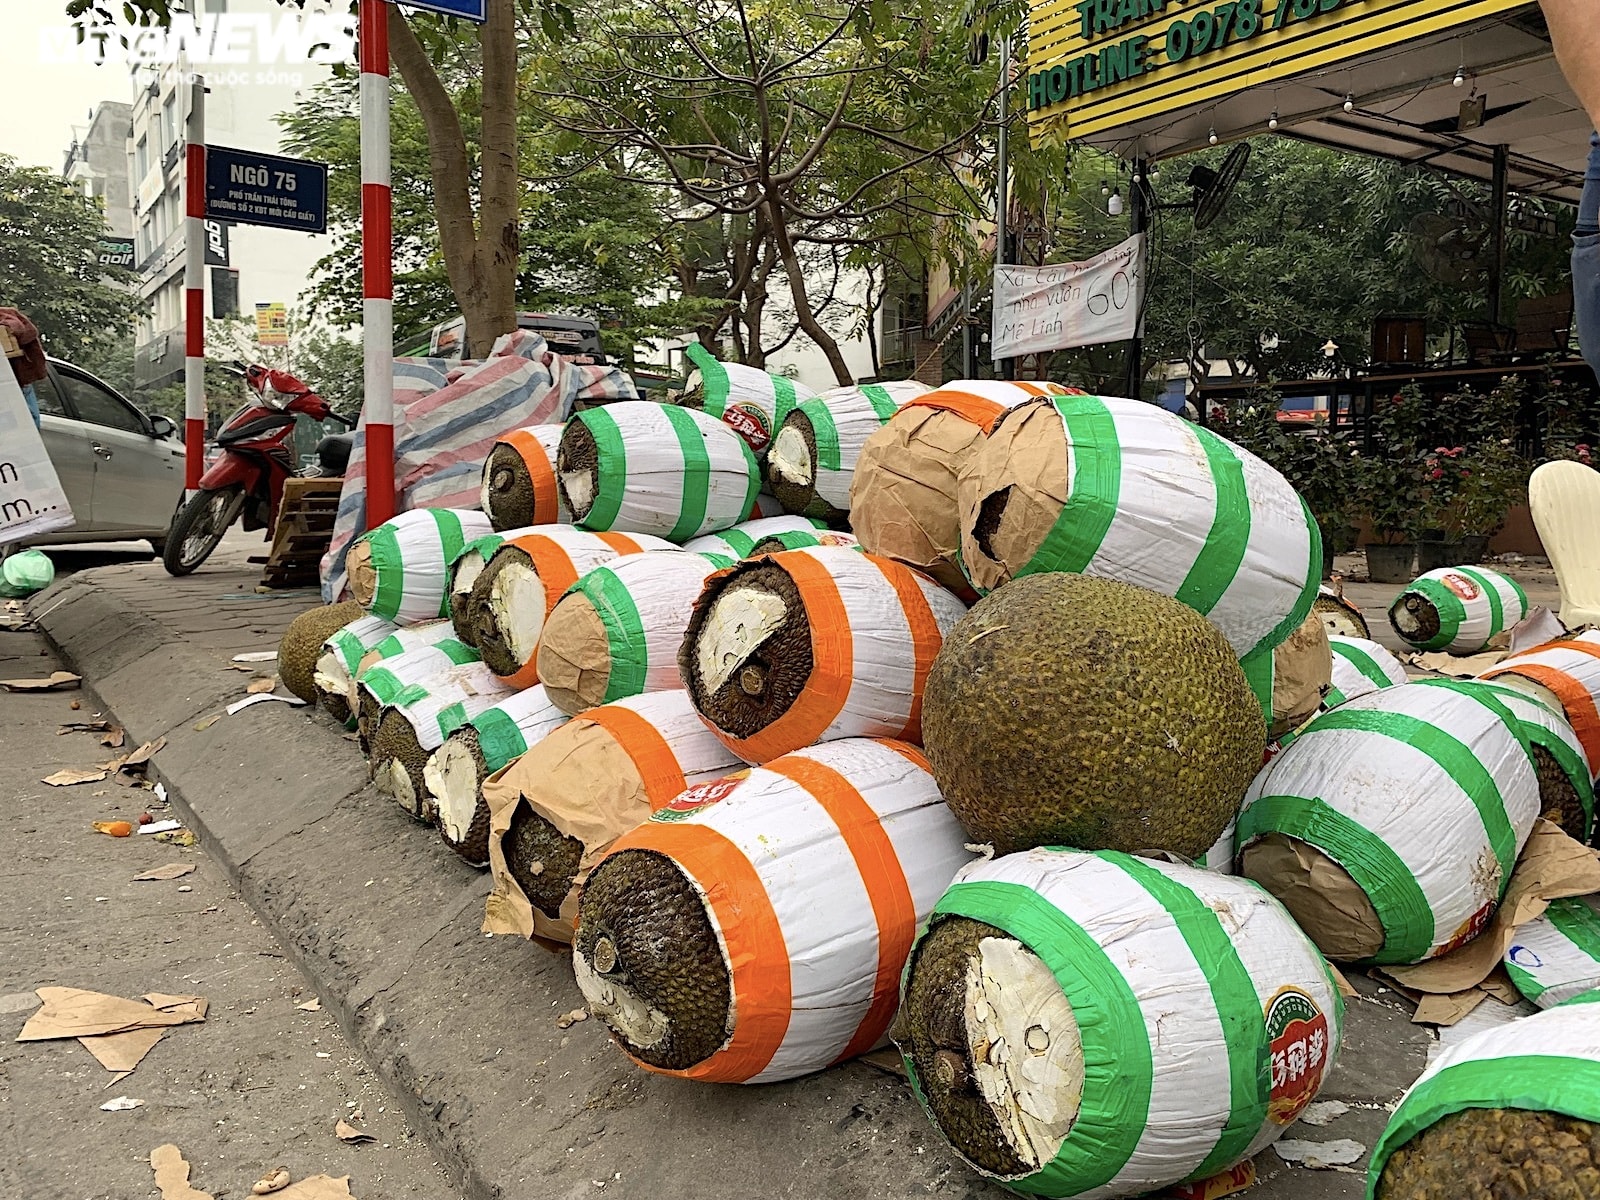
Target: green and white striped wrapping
1548, 729
663, 470
388, 682
1473, 603
737, 542
1160, 502
1556, 956
410, 557
434, 706
1207, 1020
750, 401
802, 539
1424, 794
340, 660
412, 637
1549, 1062
506, 730
840, 421
644, 602
1360, 667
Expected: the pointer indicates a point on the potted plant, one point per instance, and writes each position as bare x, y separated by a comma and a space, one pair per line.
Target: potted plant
1390, 495
1438, 541
1490, 479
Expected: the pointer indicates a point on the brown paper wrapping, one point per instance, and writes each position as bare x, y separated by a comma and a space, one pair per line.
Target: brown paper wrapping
585, 784
1302, 671
574, 657
362, 576
1026, 457
904, 498
1552, 865
1330, 906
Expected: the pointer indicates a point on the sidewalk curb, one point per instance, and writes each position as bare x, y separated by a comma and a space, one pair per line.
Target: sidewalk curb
384, 920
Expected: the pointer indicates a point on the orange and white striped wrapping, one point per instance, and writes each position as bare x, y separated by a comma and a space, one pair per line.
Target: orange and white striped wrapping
1569, 667
561, 555
876, 626
536, 446
817, 870
984, 401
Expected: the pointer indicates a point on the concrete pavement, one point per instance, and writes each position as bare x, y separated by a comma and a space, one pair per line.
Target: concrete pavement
384, 921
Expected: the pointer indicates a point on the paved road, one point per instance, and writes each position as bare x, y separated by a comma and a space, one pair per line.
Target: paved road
260, 1083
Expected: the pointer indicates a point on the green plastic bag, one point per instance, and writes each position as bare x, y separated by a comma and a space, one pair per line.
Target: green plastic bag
24, 573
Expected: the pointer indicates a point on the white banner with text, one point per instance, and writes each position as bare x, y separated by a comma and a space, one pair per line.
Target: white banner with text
31, 499
1069, 304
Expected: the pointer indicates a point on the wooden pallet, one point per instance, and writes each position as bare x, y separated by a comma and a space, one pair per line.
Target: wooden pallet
304, 532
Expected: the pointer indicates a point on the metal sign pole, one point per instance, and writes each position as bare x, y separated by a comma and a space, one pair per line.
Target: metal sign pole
1002, 205
377, 266
194, 289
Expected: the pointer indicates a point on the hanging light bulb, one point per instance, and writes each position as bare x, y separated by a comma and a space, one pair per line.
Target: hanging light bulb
1155, 171
1349, 102
1114, 205
1461, 77
1330, 348
1105, 188
1212, 136
1272, 121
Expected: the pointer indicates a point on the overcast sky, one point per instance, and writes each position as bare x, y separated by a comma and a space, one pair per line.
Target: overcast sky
43, 102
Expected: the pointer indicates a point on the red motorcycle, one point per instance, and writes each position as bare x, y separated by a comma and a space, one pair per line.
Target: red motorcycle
257, 455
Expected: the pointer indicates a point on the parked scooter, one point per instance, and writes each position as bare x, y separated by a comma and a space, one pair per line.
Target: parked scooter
257, 455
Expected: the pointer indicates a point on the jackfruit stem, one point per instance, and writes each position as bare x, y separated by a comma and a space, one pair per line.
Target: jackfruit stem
604, 958
950, 1072
753, 679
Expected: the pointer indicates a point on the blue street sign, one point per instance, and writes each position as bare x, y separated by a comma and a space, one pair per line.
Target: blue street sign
472, 10
266, 189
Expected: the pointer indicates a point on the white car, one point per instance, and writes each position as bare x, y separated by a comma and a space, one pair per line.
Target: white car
122, 469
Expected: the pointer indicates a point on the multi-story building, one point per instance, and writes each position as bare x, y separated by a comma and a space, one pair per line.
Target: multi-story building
97, 164
246, 265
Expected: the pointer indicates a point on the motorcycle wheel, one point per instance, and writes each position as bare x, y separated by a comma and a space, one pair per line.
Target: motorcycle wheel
198, 527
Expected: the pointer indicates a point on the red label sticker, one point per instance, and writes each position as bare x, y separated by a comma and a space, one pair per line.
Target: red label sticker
750, 423
1461, 586
702, 795
1470, 928
1298, 1032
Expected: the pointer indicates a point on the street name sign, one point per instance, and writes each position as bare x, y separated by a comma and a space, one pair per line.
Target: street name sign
249, 188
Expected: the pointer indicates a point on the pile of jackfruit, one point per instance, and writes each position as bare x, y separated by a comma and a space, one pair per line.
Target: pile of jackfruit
1003, 721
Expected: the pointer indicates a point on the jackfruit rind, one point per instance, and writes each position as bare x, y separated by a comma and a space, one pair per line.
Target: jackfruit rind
617, 630
814, 871
1565, 780
1423, 793
811, 645
738, 541
1457, 609
1549, 1062
1125, 490
301, 644
415, 721
1556, 956
1359, 667
1050, 719
406, 562
1238, 1058
1497, 1154
519, 479
1340, 614
750, 401
340, 663
813, 456
639, 467
1570, 669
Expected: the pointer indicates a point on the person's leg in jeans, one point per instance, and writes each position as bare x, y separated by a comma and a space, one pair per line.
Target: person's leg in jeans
32, 397
1586, 262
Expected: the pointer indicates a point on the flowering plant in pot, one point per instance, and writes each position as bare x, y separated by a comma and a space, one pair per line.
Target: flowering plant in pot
1390, 494
1489, 479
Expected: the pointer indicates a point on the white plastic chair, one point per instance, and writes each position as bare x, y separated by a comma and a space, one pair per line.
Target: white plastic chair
1565, 500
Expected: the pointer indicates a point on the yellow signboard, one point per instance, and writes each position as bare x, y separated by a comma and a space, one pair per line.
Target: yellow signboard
1094, 65
272, 324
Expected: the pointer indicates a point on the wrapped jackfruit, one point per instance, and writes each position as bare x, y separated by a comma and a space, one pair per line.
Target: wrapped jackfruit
1457, 609
1567, 670
1556, 956
519, 480
335, 675
1102, 1025
399, 570
1359, 667
755, 928
750, 401
740, 540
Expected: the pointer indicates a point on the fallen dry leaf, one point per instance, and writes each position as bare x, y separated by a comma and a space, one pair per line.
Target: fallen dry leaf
114, 828
172, 1175
259, 686
138, 760
178, 837
206, 723
84, 727
170, 871
68, 776
58, 681
349, 1133
114, 738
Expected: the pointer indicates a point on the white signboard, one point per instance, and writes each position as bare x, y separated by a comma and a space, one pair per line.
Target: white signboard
31, 499
1069, 304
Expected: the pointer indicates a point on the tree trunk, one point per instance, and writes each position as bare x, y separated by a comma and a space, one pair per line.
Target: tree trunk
802, 300
498, 248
